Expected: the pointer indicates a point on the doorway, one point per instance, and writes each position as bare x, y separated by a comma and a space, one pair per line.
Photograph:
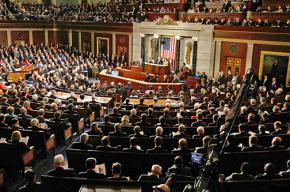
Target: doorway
234, 65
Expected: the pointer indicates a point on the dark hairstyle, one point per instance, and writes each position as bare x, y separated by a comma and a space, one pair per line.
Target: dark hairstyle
245, 167
29, 176
91, 163
117, 168
2, 117
105, 140
158, 140
107, 118
133, 141
82, 97
57, 114
178, 161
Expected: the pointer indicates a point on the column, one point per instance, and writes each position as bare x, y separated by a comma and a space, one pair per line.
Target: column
130, 50
194, 54
93, 42
113, 44
46, 37
30, 37
70, 43
9, 40
142, 46
217, 61
250, 49
177, 52
80, 40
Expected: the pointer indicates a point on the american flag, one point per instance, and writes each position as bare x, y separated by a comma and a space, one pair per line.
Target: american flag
169, 51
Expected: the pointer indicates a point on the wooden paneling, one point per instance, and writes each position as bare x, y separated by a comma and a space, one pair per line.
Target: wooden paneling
38, 37
3, 38
86, 41
58, 37
19, 36
257, 53
105, 35
122, 45
75, 39
238, 50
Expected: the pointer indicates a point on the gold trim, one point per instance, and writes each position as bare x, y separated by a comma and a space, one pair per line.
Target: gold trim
108, 44
261, 66
253, 41
224, 31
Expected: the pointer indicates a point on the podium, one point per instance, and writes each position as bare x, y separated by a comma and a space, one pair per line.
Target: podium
156, 69
19, 74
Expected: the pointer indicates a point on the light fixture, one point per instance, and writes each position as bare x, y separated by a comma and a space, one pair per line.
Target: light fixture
177, 37
142, 35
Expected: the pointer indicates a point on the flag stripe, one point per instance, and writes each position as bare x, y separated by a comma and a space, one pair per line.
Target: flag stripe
169, 51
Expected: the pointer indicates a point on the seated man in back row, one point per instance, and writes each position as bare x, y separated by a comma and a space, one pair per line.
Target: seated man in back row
59, 170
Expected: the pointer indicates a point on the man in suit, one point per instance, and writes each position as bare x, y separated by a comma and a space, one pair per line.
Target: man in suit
82, 145
159, 61
158, 146
105, 145
2, 120
158, 132
277, 144
199, 121
32, 185
182, 147
117, 132
231, 145
134, 147
95, 130
154, 175
138, 133
90, 173
243, 175
287, 172
144, 121
278, 128
58, 119
178, 168
117, 172
59, 171
253, 144
269, 172
23, 114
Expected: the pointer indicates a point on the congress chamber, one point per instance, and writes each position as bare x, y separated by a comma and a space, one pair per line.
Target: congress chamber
144, 95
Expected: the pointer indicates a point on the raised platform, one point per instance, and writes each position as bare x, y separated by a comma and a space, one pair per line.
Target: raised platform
136, 84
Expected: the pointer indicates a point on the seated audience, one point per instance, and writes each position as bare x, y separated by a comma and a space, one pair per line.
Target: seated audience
178, 168
106, 145
31, 185
158, 146
91, 173
269, 172
117, 173
243, 175
154, 175
59, 170
95, 130
286, 173
83, 145
134, 147
15, 140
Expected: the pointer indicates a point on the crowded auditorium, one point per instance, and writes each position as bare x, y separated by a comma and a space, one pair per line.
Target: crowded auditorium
145, 95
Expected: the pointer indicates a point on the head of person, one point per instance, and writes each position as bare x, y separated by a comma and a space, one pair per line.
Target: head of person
95, 126
277, 125
105, 140
178, 161
133, 142
125, 119
206, 141
245, 168
34, 123
117, 127
156, 170
276, 141
16, 136
269, 168
253, 140
137, 130
30, 176
262, 129
84, 138
159, 131
91, 163
181, 128
182, 143
200, 130
116, 169
2, 118
59, 160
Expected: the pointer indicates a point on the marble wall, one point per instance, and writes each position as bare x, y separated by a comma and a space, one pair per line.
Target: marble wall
187, 32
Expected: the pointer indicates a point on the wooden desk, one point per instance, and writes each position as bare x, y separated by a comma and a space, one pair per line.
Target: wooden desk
156, 69
136, 68
136, 84
104, 101
20, 73
148, 101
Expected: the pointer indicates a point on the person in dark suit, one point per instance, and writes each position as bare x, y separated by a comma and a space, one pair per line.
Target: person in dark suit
269, 172
15, 140
158, 146
82, 145
90, 173
105, 145
159, 61
95, 130
243, 175
181, 133
138, 133
199, 121
17, 103
134, 147
15, 124
59, 171
115, 115
23, 114
127, 104
162, 122
182, 147
144, 121
178, 168
278, 128
206, 142
158, 132
286, 174
242, 131
117, 132
276, 144
2, 120
117, 172
31, 185
58, 119
154, 175
253, 144
141, 105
